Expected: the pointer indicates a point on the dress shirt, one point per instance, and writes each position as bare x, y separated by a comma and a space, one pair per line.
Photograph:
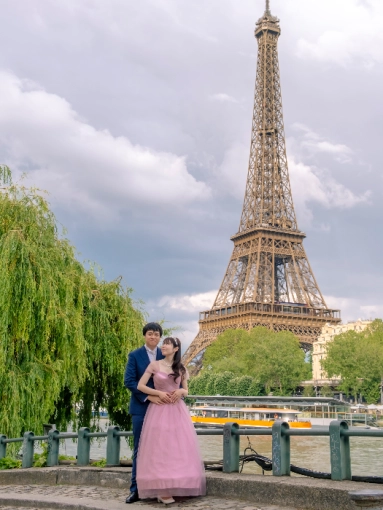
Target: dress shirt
152, 354
152, 357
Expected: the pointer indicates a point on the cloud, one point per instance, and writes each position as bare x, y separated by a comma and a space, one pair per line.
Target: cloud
231, 173
223, 98
183, 310
353, 309
188, 332
313, 143
87, 168
311, 181
310, 185
192, 303
353, 35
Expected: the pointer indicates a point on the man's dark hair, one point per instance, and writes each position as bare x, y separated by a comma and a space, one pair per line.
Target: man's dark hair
152, 326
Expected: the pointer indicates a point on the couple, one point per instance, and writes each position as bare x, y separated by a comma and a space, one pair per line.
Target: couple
166, 458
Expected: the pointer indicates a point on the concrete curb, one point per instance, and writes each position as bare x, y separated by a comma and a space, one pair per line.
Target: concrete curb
40, 501
296, 491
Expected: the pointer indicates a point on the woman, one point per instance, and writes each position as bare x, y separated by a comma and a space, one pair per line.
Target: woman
169, 462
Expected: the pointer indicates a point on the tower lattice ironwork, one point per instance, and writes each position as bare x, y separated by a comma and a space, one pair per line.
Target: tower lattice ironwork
269, 281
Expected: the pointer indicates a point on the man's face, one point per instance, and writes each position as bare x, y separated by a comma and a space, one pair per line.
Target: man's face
152, 339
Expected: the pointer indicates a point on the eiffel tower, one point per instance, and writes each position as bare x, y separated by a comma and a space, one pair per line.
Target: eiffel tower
269, 281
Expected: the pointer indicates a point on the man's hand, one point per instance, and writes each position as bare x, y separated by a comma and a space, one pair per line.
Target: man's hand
155, 400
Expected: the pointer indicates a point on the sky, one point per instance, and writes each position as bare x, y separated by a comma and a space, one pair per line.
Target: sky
136, 119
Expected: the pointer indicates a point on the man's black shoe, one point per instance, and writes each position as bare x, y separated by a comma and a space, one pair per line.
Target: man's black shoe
132, 498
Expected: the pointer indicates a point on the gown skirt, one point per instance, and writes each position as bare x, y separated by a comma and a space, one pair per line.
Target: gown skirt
169, 462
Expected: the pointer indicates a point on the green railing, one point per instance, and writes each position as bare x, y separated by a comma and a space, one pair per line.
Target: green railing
339, 443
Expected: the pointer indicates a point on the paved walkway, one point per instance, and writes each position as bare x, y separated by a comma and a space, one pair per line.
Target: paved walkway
36, 497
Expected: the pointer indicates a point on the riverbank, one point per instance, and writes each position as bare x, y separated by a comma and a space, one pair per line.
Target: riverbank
286, 492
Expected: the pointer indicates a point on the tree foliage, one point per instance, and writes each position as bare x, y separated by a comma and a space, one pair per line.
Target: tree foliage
241, 386
326, 391
64, 333
357, 357
209, 382
222, 385
251, 363
308, 391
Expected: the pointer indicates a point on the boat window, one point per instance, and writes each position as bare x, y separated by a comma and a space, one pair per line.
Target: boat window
222, 414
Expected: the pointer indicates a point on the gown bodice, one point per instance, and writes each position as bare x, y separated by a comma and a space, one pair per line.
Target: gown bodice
164, 382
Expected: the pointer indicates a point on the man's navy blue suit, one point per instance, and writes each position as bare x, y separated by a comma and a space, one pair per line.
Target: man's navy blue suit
138, 361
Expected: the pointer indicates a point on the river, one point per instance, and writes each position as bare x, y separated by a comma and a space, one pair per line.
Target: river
307, 452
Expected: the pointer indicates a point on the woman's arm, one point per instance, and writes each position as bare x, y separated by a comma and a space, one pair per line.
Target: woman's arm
181, 392
149, 391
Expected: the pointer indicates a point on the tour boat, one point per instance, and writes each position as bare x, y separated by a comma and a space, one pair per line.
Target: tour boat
246, 416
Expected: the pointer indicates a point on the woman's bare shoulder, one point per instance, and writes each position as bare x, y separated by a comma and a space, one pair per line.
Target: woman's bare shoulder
153, 367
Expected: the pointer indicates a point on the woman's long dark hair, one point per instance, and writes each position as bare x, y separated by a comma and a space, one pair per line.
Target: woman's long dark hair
177, 367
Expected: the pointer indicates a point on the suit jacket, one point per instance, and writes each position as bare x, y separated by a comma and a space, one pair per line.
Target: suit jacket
138, 361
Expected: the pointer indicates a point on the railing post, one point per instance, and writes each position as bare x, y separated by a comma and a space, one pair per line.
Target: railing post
230, 448
113, 447
339, 451
280, 449
3, 446
53, 448
28, 450
83, 447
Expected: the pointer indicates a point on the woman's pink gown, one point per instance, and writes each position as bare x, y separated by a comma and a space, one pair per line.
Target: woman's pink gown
169, 462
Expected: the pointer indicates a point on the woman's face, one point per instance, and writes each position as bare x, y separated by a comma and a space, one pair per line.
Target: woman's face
168, 349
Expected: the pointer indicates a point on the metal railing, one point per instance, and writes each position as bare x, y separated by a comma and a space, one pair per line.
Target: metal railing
338, 432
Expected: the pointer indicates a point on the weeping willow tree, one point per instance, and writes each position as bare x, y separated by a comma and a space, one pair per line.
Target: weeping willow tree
64, 333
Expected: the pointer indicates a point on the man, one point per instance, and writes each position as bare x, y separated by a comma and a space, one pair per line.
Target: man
137, 363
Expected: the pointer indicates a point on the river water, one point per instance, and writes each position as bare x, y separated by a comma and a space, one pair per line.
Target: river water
307, 452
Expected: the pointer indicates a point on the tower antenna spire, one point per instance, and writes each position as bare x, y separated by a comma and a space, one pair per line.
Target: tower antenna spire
267, 7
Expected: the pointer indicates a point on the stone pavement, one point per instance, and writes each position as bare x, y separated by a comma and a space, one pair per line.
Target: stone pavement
47, 497
86, 488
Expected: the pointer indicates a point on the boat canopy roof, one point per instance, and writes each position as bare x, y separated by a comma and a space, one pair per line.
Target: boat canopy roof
245, 409
270, 401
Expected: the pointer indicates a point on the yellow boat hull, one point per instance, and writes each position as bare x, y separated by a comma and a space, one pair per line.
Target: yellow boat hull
247, 423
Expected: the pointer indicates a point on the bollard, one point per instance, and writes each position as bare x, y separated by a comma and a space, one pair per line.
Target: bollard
339, 451
83, 447
28, 450
3, 446
280, 449
371, 499
230, 448
113, 447
53, 448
